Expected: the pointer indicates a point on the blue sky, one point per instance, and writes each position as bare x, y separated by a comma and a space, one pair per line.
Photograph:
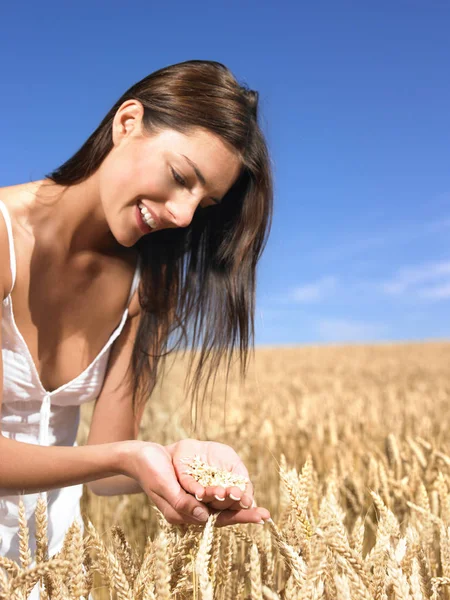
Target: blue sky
354, 99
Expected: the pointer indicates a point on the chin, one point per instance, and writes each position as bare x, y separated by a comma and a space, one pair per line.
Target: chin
126, 242
123, 238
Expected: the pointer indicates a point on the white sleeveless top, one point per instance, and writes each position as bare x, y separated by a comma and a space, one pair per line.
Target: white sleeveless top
31, 414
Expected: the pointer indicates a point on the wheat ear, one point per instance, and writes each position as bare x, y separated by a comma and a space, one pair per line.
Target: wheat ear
204, 556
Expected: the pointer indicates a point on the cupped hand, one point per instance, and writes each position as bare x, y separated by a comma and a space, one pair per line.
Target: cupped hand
157, 469
151, 466
236, 506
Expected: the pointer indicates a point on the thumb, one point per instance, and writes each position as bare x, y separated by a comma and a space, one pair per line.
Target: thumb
169, 489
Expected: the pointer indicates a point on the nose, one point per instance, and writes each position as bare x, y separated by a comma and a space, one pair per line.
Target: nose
182, 211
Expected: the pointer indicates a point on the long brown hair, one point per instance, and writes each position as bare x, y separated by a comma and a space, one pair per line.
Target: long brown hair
198, 281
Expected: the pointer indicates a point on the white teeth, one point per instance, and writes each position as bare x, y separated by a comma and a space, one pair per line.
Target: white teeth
147, 217
150, 221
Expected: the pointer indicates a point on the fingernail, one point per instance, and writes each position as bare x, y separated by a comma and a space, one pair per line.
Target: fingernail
199, 499
200, 514
219, 499
243, 505
254, 505
261, 522
234, 498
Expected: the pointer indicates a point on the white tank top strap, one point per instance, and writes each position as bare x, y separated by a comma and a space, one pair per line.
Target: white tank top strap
136, 278
12, 254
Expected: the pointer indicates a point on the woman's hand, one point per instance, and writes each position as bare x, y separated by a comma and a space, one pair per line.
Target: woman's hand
151, 466
237, 506
159, 471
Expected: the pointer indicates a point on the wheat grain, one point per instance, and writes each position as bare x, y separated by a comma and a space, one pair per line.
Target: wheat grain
210, 475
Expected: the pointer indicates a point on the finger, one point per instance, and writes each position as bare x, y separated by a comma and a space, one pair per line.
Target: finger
169, 489
237, 505
221, 498
187, 504
217, 492
174, 517
235, 493
191, 485
224, 504
235, 496
246, 500
235, 517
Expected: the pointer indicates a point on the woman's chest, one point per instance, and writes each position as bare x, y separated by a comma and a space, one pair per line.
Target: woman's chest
67, 316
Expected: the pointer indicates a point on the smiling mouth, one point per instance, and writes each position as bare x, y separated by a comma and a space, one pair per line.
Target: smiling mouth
146, 216
141, 223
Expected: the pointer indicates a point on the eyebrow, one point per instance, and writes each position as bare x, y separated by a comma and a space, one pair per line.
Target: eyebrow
199, 175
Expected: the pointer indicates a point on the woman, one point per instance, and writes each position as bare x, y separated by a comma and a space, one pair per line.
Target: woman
152, 229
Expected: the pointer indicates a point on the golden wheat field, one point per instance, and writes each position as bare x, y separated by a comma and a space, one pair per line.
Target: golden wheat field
347, 446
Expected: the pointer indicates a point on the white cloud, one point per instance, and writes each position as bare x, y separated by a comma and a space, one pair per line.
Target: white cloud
427, 281
350, 246
315, 291
341, 330
405, 279
438, 292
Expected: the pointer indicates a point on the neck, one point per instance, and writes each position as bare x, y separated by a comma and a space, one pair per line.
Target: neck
72, 217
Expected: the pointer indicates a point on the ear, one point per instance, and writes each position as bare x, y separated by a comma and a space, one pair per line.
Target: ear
127, 121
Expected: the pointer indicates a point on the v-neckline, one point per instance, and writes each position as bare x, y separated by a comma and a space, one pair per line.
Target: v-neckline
105, 347
91, 364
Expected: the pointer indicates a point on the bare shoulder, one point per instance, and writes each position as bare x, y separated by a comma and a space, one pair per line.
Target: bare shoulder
5, 269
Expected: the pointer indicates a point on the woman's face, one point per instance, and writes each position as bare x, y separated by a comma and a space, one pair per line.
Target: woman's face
148, 183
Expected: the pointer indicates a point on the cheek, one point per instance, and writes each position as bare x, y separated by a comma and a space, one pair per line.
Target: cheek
116, 173
150, 181
127, 176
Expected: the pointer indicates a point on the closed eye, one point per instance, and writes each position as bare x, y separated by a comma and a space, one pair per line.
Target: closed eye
181, 181
177, 177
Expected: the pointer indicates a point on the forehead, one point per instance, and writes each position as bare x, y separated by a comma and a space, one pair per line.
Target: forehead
197, 138
214, 156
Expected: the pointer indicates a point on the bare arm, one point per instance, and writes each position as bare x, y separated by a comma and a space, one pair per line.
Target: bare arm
113, 418
29, 468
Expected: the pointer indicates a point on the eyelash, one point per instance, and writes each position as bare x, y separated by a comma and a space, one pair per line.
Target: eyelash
181, 181
178, 178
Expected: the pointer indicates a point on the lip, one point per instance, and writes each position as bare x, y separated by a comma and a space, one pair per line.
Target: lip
150, 210
141, 223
